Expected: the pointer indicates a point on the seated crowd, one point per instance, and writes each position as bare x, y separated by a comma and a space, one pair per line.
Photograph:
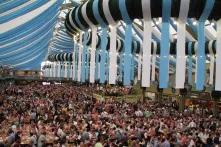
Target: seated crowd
67, 115
113, 91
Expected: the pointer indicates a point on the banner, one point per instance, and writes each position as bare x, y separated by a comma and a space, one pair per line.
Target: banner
218, 57
79, 57
147, 37
165, 44
127, 43
201, 59
212, 62
154, 62
181, 41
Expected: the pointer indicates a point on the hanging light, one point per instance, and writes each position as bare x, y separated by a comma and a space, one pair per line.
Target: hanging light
194, 23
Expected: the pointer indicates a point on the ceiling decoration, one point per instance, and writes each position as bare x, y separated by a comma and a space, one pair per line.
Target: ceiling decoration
26, 28
168, 32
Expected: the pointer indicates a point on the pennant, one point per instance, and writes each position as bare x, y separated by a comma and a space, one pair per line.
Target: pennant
165, 44
218, 57
139, 67
84, 58
87, 64
147, 36
97, 73
212, 62
73, 62
190, 63
113, 55
65, 69
59, 70
196, 50
92, 53
181, 41
79, 58
127, 43
201, 59
104, 42
154, 61
71, 72
113, 38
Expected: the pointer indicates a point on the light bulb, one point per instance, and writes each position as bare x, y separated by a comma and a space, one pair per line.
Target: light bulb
194, 23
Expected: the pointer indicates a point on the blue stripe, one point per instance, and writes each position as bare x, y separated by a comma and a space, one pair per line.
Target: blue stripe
41, 17
97, 14
201, 59
18, 54
26, 41
87, 64
190, 63
76, 62
22, 11
10, 5
83, 58
121, 68
104, 42
77, 19
4, 39
127, 43
68, 70
165, 45
34, 64
96, 64
107, 65
62, 69
132, 68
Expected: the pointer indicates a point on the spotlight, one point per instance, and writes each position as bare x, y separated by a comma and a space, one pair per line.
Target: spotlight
194, 23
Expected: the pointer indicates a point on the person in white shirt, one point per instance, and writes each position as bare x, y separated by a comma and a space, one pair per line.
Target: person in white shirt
33, 140
192, 124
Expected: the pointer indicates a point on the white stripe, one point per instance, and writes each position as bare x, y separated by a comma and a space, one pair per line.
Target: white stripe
52, 65
65, 69
154, 61
79, 57
71, 21
26, 61
113, 55
5, 27
5, 2
73, 62
147, 36
93, 49
195, 48
17, 8
59, 70
84, 14
26, 46
107, 12
139, 66
181, 41
51, 70
119, 44
56, 68
71, 71
212, 62
218, 57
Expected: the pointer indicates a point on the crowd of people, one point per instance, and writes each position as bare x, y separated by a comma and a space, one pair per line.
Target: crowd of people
67, 115
5, 71
113, 91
